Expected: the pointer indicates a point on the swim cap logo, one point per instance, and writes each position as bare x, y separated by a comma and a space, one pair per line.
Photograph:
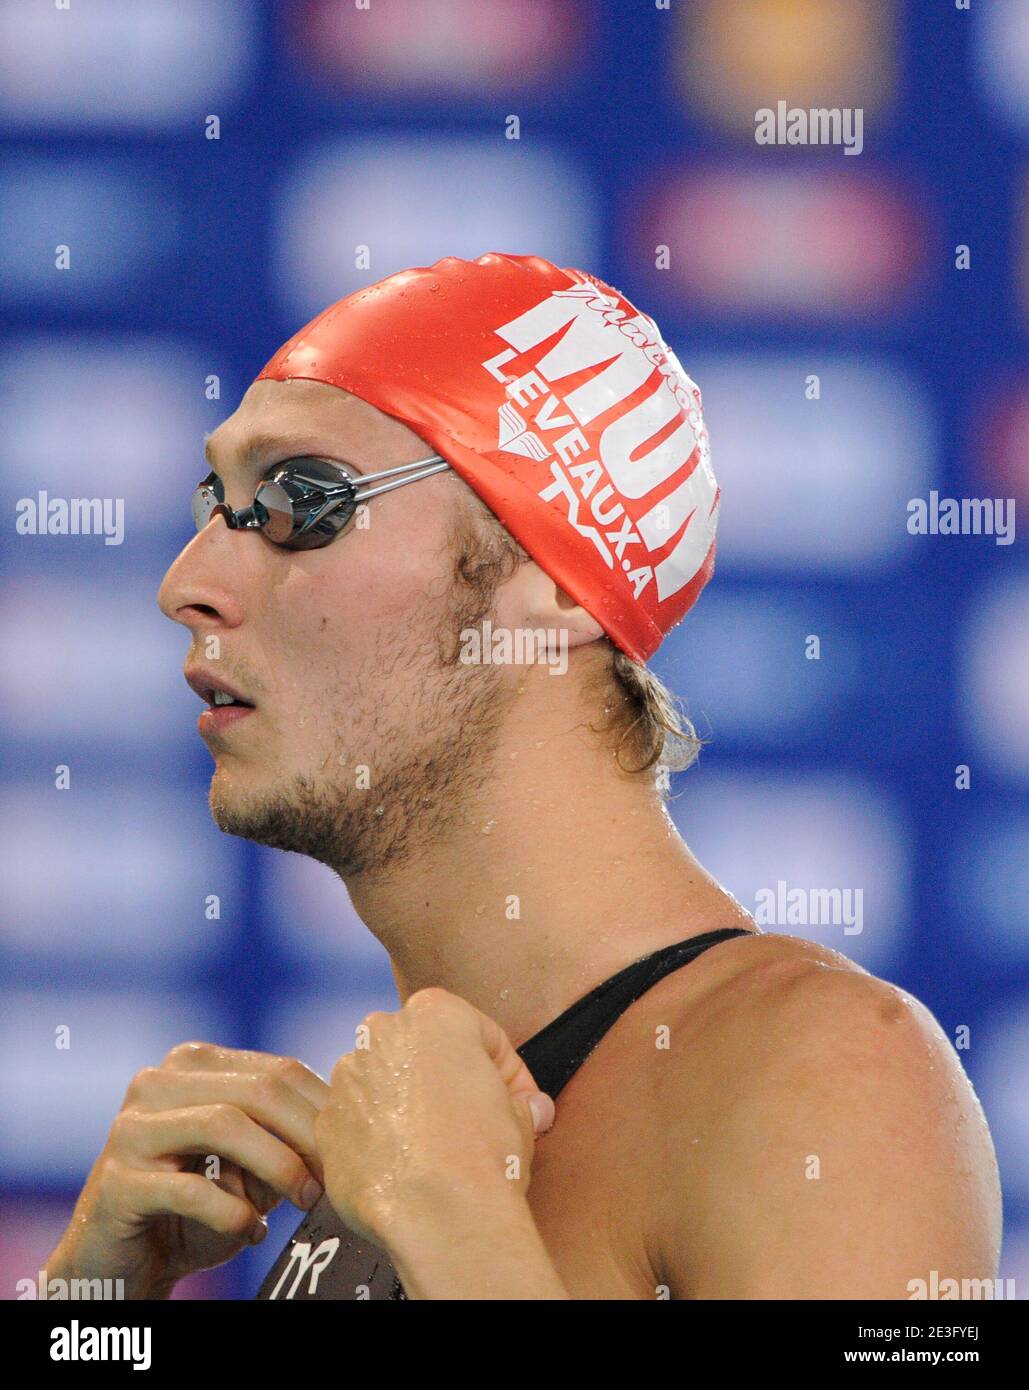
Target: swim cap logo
515, 437
602, 475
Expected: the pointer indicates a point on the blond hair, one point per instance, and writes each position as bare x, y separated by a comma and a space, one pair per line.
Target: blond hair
641, 718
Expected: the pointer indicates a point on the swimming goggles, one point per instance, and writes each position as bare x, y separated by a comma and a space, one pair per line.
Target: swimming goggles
304, 502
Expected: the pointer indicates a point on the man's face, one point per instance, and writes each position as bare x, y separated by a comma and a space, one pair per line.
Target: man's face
366, 728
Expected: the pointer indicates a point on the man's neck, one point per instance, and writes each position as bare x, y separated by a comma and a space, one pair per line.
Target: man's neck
561, 872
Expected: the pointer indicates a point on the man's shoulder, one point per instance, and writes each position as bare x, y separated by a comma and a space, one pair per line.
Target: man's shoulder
786, 1032
740, 1020
799, 1064
780, 997
751, 978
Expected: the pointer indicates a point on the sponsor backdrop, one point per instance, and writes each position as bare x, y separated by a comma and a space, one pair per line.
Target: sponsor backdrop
184, 184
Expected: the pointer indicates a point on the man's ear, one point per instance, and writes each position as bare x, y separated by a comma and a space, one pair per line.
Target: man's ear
582, 626
531, 599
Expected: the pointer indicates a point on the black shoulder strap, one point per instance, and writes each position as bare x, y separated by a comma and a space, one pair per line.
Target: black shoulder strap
557, 1052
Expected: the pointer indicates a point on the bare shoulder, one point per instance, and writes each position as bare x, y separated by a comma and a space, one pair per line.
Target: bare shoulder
780, 994
822, 1137
775, 951
745, 973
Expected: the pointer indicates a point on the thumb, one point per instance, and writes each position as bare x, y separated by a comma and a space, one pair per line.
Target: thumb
541, 1110
532, 1104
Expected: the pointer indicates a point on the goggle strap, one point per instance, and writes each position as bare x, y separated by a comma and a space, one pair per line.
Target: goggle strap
360, 493
399, 469
358, 488
363, 491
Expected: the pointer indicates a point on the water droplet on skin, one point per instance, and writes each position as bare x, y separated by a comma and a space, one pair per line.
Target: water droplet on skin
504, 993
380, 810
487, 829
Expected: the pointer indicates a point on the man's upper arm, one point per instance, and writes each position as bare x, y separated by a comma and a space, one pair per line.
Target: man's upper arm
834, 1148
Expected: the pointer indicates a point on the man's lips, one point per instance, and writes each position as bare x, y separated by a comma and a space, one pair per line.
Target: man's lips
209, 687
216, 719
225, 704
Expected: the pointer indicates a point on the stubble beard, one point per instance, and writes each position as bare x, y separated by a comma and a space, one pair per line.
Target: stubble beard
426, 762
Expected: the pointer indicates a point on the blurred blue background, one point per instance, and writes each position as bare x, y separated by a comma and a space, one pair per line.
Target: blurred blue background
192, 259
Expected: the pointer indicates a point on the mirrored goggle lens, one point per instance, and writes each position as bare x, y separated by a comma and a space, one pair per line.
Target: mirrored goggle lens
301, 506
278, 505
205, 501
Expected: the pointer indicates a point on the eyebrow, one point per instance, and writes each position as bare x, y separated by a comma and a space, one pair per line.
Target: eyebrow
286, 446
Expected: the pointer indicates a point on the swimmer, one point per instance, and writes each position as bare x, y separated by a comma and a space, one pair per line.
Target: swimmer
437, 543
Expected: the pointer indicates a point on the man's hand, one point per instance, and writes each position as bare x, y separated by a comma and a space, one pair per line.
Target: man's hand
430, 1114
204, 1146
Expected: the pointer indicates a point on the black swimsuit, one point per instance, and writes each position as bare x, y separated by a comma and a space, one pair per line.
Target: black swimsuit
324, 1260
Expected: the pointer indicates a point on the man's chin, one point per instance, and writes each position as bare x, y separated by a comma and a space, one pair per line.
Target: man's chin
300, 822
251, 817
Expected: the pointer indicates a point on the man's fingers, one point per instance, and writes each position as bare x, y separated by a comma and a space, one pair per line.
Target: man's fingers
519, 1080
543, 1110
513, 1071
209, 1057
232, 1178
516, 1075
268, 1097
219, 1129
521, 1086
192, 1197
230, 1175
260, 1195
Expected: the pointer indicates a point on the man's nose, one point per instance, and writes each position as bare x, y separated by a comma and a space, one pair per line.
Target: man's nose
202, 588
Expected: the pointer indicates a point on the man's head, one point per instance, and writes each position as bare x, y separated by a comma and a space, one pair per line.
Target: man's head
371, 730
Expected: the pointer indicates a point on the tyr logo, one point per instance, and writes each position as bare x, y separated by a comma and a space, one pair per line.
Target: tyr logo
307, 1261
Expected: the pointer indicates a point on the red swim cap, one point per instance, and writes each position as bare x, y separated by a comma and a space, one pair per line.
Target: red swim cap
559, 403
